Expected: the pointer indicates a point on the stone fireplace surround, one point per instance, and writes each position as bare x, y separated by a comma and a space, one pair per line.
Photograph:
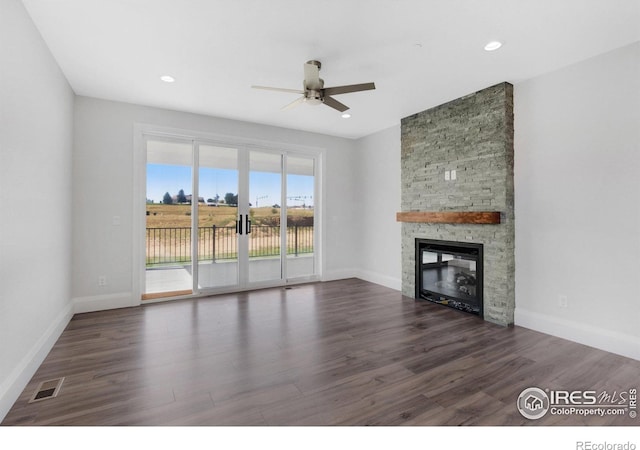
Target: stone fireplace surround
472, 135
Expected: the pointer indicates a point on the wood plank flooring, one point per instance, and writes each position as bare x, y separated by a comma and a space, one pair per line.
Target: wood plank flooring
337, 353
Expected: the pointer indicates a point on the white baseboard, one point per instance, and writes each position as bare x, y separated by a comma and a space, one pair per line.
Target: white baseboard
20, 376
365, 275
331, 275
611, 341
377, 278
104, 302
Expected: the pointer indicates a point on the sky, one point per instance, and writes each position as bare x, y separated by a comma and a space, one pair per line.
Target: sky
264, 187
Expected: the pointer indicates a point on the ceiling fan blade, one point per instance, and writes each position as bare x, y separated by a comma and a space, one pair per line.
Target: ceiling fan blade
312, 76
267, 88
294, 103
335, 104
349, 88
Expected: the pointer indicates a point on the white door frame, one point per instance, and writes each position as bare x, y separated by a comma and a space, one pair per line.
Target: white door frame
144, 131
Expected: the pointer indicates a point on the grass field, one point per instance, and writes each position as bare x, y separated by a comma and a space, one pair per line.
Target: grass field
179, 216
169, 233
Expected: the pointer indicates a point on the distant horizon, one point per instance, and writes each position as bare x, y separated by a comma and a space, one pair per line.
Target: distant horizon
264, 187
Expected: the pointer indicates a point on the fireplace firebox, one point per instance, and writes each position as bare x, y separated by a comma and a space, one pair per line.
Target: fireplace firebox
450, 273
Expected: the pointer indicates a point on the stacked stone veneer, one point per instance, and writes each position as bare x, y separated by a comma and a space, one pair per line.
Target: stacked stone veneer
474, 136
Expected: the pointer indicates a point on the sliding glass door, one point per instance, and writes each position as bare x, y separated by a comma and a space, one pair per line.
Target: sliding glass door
168, 219
301, 230
246, 216
264, 236
217, 212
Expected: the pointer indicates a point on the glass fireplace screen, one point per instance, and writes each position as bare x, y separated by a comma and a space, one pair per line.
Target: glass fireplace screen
450, 274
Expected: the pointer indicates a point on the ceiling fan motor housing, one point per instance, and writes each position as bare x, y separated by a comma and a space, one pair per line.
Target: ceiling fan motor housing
313, 97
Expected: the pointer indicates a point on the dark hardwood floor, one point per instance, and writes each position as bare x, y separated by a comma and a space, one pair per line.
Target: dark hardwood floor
338, 353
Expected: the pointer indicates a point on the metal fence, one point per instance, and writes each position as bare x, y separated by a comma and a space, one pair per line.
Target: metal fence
173, 245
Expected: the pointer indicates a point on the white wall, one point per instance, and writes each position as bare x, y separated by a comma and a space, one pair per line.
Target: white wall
36, 127
104, 183
377, 202
577, 194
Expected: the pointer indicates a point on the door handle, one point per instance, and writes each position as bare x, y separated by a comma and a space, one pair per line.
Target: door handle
248, 227
239, 225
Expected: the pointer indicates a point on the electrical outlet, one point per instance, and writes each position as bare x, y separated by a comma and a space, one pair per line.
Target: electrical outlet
102, 280
563, 301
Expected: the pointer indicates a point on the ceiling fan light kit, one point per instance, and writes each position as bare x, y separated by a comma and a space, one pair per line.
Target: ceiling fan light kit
314, 92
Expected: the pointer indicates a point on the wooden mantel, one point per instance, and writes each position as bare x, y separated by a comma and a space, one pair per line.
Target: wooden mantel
472, 217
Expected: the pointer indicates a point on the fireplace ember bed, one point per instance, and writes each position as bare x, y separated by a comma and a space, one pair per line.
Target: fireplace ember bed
450, 273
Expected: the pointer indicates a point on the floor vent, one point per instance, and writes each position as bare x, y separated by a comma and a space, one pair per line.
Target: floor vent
47, 389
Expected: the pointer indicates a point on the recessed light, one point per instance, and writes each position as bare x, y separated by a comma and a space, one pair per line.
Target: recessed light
346, 115
167, 78
492, 46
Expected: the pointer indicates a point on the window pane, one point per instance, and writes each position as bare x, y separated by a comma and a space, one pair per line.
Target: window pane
168, 217
300, 217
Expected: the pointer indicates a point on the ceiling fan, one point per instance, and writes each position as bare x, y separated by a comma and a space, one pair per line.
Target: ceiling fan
314, 92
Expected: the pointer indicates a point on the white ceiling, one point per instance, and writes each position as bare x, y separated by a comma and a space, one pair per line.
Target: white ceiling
420, 53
